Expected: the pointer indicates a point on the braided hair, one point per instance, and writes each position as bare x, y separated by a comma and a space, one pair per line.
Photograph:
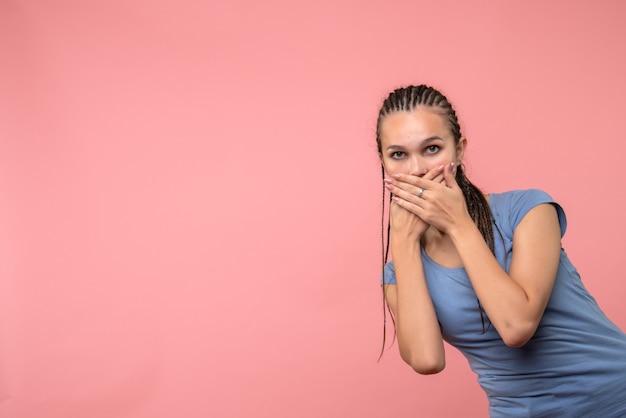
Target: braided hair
406, 99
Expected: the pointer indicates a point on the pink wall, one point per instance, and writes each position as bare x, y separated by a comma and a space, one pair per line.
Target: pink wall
190, 193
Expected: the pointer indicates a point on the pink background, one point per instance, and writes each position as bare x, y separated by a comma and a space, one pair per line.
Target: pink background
190, 192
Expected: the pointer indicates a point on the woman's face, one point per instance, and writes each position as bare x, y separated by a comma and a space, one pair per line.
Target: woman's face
417, 141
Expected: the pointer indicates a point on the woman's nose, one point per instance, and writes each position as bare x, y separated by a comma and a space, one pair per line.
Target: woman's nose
417, 167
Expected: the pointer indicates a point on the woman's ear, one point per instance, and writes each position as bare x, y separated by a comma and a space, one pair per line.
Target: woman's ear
382, 164
460, 149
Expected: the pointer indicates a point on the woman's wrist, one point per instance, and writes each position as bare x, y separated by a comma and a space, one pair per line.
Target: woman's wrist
405, 243
462, 230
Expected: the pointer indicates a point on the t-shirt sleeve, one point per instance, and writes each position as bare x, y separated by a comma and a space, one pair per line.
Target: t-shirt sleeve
522, 201
389, 274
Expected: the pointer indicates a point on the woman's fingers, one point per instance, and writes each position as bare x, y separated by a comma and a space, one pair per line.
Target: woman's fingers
449, 175
434, 173
405, 192
415, 185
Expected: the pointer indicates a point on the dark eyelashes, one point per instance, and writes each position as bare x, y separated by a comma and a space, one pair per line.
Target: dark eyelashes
431, 149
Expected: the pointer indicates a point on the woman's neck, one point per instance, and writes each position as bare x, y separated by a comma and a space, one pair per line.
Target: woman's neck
439, 247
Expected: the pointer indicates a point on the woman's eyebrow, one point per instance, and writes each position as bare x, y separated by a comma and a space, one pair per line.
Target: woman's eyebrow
423, 142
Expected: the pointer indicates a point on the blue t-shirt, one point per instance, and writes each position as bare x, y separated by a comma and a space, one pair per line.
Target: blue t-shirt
574, 365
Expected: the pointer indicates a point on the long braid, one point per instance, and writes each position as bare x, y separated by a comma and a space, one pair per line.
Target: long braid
406, 99
385, 256
478, 207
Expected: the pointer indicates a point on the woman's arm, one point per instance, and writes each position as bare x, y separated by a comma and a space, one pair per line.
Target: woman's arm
417, 328
514, 302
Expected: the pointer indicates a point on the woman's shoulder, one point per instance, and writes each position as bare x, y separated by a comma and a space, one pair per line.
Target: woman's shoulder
520, 196
511, 206
509, 200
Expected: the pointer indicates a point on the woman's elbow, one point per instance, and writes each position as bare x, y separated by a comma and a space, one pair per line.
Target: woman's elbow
515, 341
425, 366
429, 370
519, 336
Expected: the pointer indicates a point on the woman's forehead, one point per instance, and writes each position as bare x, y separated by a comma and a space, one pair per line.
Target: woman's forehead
420, 122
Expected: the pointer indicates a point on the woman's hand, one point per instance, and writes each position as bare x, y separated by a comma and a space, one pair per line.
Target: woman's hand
402, 219
435, 202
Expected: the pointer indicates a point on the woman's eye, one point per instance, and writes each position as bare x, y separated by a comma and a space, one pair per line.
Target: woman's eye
432, 149
397, 154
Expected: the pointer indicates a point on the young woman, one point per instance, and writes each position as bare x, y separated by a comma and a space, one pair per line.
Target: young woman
487, 274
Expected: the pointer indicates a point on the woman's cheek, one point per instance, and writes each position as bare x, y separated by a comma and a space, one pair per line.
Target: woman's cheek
435, 163
395, 167
444, 160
